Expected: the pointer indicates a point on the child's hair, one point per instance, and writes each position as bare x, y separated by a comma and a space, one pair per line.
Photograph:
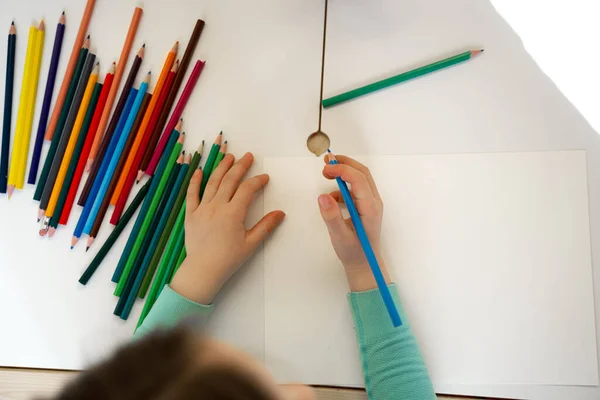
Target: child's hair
162, 366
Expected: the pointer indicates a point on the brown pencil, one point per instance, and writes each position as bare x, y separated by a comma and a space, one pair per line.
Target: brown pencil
185, 61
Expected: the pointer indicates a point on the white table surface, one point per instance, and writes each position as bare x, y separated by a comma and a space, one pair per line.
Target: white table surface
262, 92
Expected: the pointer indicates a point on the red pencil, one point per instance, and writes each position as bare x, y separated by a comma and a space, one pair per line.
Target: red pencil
87, 146
133, 170
183, 99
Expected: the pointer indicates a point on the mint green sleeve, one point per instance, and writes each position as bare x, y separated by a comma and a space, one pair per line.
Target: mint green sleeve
392, 363
170, 309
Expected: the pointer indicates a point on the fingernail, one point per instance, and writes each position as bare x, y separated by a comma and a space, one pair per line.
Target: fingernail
325, 202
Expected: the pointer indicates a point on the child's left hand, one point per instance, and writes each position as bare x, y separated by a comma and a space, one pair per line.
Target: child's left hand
216, 241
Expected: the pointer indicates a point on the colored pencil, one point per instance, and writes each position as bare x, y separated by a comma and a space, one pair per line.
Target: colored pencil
71, 67
8, 100
103, 167
176, 115
63, 113
32, 95
131, 175
176, 239
15, 159
366, 246
91, 132
143, 239
113, 181
98, 157
168, 65
210, 161
112, 159
144, 268
185, 61
136, 270
138, 234
403, 77
165, 232
45, 113
133, 26
72, 140
119, 270
220, 156
114, 235
67, 130
69, 180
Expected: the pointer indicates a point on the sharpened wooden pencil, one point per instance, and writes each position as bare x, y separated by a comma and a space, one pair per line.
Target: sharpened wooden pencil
8, 100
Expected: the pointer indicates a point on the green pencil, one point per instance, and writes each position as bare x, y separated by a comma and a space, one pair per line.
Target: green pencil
114, 235
210, 160
403, 77
166, 156
156, 197
179, 202
219, 157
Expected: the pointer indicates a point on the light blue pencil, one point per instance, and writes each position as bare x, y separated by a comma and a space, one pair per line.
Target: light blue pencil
98, 179
116, 155
366, 245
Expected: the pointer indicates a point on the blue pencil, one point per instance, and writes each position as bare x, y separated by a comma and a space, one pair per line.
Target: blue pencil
366, 245
41, 131
8, 99
114, 158
113, 143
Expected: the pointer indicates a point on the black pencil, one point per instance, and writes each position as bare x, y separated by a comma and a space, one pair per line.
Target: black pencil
8, 99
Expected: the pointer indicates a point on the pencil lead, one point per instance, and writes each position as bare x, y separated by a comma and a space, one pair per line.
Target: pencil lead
87, 248
71, 247
63, 13
13, 23
88, 37
144, 45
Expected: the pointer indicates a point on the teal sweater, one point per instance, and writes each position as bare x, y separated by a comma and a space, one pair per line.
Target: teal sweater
391, 361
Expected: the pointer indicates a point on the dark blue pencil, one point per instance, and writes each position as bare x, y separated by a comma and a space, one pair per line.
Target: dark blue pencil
96, 185
41, 131
8, 98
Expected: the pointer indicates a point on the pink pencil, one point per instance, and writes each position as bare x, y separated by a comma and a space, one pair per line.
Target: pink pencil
183, 99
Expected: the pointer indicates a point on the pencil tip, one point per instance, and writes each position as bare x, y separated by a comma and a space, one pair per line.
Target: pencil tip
38, 220
88, 36
63, 13
144, 45
87, 248
13, 23
329, 150
71, 247
225, 142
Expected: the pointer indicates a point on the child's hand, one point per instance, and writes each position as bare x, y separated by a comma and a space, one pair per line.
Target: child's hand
343, 237
216, 241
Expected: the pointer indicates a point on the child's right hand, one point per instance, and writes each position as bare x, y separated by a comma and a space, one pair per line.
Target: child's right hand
341, 231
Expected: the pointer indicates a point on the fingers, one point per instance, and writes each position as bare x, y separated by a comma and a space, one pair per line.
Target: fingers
192, 199
264, 227
360, 167
337, 195
216, 177
232, 178
245, 193
361, 189
332, 215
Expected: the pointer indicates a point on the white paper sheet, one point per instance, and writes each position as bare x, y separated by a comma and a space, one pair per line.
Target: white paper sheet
491, 253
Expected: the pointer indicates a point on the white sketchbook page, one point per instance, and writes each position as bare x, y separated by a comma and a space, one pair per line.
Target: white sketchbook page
491, 253
252, 50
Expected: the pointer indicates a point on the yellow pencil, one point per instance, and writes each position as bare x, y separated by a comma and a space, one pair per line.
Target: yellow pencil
33, 87
64, 165
16, 151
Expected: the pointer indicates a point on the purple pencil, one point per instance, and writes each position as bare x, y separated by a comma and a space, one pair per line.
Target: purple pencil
39, 139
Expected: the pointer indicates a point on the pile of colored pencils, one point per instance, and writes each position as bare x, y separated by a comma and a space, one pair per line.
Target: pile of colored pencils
142, 136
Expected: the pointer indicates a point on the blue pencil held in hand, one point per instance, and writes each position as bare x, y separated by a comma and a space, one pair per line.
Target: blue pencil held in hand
366, 245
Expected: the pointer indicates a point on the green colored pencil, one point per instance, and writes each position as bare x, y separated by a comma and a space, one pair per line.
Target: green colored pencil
210, 160
179, 202
114, 235
64, 191
403, 77
141, 234
219, 157
166, 156
162, 273
61, 122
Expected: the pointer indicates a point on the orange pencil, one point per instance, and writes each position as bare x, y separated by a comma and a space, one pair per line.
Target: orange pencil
133, 26
83, 27
140, 133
